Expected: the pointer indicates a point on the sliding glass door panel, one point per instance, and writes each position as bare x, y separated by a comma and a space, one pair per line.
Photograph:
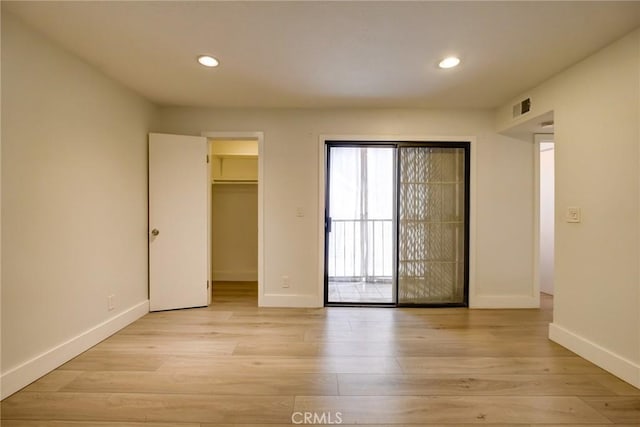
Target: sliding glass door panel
432, 226
360, 236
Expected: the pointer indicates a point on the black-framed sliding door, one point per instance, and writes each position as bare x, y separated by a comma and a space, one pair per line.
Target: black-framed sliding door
397, 223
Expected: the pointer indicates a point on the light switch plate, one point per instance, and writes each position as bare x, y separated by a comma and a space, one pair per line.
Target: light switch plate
573, 214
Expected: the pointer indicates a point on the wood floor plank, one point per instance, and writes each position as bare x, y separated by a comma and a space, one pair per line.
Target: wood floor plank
455, 323
190, 316
227, 383
301, 349
617, 409
53, 381
138, 407
519, 333
477, 385
452, 410
394, 425
308, 320
40, 423
250, 330
409, 339
229, 334
418, 333
616, 385
94, 360
277, 364
497, 365
584, 425
162, 345
362, 349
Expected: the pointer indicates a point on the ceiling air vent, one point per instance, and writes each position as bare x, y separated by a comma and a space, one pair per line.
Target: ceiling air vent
521, 108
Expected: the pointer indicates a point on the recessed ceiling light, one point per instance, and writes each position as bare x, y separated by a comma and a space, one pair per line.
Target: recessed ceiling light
208, 61
449, 62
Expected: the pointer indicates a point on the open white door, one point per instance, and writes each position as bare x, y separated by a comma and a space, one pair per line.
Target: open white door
178, 222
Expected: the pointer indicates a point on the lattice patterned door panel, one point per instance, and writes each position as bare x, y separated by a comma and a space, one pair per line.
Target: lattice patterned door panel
431, 238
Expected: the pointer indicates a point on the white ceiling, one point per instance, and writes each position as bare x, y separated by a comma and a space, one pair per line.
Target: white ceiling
331, 54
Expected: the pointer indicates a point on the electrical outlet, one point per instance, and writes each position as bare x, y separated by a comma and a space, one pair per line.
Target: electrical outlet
285, 281
300, 212
573, 214
111, 302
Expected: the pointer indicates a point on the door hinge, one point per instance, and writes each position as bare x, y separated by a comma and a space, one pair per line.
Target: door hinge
207, 284
207, 158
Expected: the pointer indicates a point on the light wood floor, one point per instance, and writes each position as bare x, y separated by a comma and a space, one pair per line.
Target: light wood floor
234, 363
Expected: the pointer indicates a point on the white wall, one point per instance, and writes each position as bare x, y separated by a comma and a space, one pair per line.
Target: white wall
74, 205
596, 106
547, 217
235, 232
504, 185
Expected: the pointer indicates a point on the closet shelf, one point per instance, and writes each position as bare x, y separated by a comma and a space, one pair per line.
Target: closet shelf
235, 156
235, 182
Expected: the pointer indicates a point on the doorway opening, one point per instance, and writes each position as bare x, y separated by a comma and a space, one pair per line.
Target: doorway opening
397, 223
234, 239
546, 151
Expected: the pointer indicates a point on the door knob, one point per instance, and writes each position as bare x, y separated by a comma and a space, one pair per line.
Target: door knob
155, 232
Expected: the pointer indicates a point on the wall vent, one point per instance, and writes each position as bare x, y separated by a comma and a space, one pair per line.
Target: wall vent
522, 107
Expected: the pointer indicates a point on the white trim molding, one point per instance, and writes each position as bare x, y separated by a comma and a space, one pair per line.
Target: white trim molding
297, 301
322, 167
606, 359
29, 371
505, 301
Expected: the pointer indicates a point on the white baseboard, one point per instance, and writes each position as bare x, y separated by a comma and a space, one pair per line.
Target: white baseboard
235, 276
606, 359
506, 301
26, 373
277, 300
